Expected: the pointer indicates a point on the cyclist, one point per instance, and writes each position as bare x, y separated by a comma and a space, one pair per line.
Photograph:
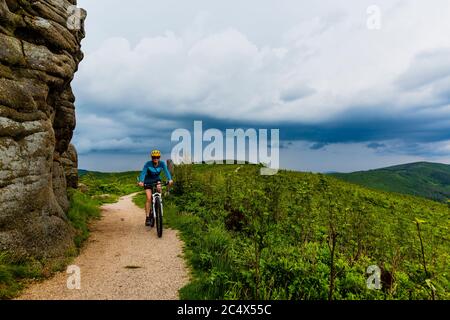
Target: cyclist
149, 177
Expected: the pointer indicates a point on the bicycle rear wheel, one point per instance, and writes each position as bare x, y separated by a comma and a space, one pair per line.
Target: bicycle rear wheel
159, 218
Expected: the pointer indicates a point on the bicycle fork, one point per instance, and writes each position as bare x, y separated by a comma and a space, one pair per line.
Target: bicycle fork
156, 195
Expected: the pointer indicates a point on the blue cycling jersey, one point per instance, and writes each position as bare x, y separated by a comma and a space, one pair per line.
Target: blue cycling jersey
151, 174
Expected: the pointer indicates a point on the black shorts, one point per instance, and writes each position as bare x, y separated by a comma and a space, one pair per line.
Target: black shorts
150, 185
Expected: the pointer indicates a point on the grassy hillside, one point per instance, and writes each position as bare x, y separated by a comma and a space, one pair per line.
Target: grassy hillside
305, 236
429, 180
108, 187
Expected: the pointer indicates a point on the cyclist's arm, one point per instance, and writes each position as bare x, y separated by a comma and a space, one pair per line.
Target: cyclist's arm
166, 171
143, 173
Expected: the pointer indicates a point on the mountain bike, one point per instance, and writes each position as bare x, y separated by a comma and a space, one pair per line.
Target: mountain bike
157, 209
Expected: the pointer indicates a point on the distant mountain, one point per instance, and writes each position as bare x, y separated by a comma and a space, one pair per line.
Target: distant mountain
424, 179
82, 172
108, 175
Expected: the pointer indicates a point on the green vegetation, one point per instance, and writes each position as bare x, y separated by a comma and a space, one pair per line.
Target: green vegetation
82, 210
429, 180
304, 236
13, 272
108, 187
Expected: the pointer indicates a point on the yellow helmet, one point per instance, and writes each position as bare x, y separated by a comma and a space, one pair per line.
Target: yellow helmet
156, 153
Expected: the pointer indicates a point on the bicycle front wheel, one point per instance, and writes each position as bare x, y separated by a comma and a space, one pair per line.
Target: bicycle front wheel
159, 218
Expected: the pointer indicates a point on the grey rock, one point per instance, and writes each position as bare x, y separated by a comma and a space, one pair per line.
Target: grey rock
69, 161
39, 55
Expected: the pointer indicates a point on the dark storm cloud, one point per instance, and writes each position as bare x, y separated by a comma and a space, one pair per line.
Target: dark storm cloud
375, 145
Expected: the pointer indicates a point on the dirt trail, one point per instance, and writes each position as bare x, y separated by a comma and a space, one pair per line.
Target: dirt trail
123, 259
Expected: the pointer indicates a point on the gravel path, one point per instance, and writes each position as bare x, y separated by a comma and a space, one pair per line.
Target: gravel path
123, 259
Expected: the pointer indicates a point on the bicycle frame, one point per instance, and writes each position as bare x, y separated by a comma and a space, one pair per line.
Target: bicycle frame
156, 194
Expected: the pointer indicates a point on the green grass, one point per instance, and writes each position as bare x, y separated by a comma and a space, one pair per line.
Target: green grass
14, 272
83, 208
429, 180
256, 237
108, 187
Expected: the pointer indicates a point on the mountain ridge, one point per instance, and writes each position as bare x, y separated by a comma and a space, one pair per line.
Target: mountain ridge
425, 179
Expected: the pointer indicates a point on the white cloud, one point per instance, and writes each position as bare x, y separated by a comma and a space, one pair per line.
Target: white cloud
289, 61
220, 73
426, 69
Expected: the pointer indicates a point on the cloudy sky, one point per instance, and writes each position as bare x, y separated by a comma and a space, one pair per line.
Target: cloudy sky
350, 86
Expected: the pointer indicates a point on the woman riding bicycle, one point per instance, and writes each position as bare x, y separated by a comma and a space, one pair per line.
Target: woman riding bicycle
149, 177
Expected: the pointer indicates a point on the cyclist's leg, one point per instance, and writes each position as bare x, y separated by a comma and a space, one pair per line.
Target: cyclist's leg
148, 203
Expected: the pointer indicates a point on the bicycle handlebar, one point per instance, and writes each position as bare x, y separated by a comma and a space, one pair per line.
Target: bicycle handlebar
165, 183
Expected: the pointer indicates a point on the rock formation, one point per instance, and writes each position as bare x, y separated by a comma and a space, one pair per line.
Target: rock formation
39, 54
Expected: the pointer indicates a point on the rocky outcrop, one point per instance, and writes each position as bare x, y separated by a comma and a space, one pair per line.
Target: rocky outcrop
39, 54
69, 161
